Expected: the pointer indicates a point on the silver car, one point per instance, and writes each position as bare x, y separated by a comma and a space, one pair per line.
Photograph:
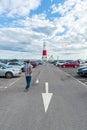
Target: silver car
9, 72
16, 65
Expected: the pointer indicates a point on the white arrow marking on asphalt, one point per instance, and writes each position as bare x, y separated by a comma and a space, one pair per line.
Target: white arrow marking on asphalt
37, 81
46, 97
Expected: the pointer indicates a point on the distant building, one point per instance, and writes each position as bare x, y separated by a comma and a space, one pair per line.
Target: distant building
51, 58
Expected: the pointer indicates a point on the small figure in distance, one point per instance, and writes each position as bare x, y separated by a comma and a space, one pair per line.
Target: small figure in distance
28, 74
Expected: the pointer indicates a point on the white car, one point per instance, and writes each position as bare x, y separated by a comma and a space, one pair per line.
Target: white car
9, 72
83, 63
60, 62
16, 65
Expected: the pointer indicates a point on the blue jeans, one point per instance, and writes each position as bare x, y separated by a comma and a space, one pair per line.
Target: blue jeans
28, 81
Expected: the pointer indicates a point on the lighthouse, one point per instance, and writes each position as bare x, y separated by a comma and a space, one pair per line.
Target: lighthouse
44, 52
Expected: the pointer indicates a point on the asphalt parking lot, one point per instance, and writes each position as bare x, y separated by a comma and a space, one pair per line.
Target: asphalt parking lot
65, 110
9, 82
72, 72
5, 83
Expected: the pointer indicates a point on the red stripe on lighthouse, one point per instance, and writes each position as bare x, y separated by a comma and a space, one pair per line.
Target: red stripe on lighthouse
44, 52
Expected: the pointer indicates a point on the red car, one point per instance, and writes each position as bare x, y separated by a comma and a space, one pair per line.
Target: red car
34, 63
71, 64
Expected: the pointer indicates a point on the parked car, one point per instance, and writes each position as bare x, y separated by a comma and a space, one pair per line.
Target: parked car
83, 63
8, 72
71, 64
82, 71
16, 65
60, 62
53, 62
39, 62
34, 63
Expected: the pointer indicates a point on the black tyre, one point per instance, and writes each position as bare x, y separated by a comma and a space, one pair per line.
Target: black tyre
22, 70
81, 74
8, 75
74, 66
64, 66
85, 74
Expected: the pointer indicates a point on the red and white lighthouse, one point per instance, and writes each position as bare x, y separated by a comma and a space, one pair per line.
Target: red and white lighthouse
44, 52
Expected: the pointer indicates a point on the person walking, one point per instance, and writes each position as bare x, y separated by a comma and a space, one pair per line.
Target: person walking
28, 74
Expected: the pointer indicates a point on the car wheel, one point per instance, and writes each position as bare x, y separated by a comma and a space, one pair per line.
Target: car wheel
22, 69
85, 74
74, 66
81, 74
8, 75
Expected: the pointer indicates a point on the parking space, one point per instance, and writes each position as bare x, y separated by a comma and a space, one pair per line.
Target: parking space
72, 71
8, 82
10, 75
5, 83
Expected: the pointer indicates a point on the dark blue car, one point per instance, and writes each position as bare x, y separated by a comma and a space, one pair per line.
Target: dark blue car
82, 71
39, 62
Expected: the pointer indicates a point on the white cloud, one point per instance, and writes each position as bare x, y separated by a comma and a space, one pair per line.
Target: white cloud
19, 41
74, 18
19, 7
65, 36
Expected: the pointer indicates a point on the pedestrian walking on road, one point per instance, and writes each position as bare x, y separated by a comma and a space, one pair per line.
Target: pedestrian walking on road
28, 74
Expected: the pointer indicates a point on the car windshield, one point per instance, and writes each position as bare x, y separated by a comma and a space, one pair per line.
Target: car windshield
5, 65
20, 63
61, 61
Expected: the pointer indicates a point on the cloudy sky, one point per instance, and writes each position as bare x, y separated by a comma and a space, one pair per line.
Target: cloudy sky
26, 24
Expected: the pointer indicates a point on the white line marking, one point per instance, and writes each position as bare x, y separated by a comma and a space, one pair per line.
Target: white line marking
9, 85
6, 87
12, 83
37, 81
46, 97
3, 87
46, 87
81, 82
75, 78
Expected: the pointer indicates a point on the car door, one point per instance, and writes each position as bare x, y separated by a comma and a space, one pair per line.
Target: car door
67, 64
71, 64
2, 71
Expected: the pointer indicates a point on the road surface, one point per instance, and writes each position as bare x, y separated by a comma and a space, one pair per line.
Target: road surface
67, 108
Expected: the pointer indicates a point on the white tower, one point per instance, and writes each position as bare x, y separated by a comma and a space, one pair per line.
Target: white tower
44, 52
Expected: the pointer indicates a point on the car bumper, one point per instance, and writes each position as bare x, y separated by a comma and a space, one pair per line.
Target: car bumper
80, 73
17, 73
